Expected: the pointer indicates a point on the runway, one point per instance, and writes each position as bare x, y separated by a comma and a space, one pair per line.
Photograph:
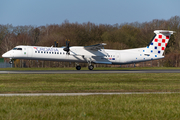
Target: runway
83, 94
88, 71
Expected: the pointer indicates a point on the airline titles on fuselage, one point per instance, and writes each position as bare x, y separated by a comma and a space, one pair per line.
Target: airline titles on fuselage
46, 49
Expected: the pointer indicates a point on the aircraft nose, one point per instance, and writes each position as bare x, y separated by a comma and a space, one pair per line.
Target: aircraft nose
6, 55
3, 55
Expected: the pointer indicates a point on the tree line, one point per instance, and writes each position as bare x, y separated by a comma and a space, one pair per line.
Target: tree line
117, 36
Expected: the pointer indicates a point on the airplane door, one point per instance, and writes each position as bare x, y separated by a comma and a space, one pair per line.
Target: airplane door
24, 52
29, 52
117, 57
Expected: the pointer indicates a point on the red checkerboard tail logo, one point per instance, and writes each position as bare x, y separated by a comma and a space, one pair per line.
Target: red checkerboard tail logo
159, 42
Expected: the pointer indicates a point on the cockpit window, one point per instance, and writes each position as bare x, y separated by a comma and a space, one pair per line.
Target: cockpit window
14, 48
19, 49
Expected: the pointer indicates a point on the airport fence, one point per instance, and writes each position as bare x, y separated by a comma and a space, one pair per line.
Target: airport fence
5, 65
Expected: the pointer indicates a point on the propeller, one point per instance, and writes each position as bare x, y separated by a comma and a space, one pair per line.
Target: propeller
67, 46
55, 43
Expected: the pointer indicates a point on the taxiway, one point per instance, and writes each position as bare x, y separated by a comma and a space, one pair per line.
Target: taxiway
88, 71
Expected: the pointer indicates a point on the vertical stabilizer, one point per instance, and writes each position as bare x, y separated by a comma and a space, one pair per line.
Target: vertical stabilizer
159, 42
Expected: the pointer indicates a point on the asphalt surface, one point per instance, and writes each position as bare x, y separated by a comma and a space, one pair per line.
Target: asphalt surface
88, 71
82, 94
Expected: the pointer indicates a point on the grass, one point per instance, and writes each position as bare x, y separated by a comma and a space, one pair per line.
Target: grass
74, 83
135, 106
147, 106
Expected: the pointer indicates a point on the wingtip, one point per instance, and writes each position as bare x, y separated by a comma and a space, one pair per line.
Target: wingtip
103, 43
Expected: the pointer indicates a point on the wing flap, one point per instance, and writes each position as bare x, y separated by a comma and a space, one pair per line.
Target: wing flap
102, 62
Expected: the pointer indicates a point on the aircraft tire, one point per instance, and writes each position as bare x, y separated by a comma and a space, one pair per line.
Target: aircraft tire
10, 62
90, 67
78, 67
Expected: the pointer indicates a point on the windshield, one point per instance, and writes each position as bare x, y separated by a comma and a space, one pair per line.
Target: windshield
14, 48
17, 48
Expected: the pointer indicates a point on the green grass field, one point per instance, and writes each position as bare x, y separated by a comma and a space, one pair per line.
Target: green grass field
136, 106
135, 82
102, 107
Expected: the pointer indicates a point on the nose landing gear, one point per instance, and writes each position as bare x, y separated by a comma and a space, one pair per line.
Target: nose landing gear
11, 61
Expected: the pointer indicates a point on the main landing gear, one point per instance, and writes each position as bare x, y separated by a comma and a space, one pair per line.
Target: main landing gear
90, 67
78, 67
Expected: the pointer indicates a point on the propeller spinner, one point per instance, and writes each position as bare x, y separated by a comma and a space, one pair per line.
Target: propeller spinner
67, 46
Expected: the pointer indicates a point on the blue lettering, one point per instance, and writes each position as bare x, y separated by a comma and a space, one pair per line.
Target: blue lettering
47, 49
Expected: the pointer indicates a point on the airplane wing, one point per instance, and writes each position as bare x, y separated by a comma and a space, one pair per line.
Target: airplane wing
93, 50
95, 47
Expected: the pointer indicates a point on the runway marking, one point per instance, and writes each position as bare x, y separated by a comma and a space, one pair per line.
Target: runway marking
83, 94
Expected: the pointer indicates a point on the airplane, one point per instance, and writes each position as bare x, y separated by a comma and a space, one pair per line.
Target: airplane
94, 54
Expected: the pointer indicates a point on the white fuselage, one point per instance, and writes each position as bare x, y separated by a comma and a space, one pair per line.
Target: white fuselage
79, 54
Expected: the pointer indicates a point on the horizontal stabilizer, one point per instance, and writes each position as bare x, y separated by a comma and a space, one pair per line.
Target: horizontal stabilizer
163, 32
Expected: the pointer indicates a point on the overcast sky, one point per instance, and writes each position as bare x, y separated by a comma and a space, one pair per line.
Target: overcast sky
43, 12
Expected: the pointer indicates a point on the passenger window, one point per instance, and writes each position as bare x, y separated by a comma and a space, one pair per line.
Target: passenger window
38, 51
52, 52
35, 51
49, 52
44, 52
57, 52
60, 52
41, 51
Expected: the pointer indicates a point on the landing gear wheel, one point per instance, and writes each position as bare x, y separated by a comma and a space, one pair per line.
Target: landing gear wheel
78, 67
10, 62
90, 67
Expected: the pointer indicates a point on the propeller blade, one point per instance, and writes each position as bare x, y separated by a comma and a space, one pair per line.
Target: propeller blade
66, 42
55, 43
